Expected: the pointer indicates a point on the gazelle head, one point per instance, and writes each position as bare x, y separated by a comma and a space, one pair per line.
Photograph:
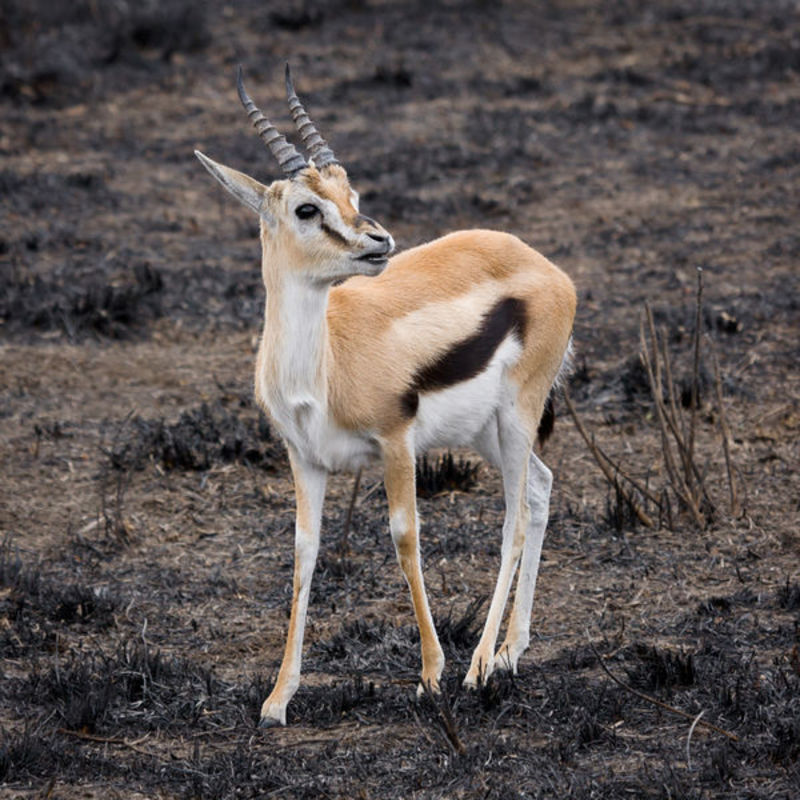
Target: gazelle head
310, 222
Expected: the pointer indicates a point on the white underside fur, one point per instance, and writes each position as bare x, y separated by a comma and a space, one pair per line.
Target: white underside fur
451, 417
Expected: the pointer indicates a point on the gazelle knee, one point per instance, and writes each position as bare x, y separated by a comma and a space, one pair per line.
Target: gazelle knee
404, 534
540, 475
540, 483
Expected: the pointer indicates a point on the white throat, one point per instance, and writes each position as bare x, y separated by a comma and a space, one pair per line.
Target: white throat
292, 377
294, 343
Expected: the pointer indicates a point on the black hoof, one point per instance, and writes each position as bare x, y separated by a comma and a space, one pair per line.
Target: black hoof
269, 722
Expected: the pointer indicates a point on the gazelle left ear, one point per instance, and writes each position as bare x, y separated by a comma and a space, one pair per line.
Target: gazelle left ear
244, 188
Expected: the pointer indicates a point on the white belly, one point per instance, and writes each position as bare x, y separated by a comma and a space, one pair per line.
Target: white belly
338, 449
451, 417
454, 417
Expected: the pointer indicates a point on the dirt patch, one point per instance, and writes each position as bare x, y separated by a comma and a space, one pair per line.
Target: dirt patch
147, 511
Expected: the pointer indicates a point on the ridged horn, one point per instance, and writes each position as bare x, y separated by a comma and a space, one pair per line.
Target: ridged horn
290, 161
317, 147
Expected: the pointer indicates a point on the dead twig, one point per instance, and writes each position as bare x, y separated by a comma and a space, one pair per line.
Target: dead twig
689, 740
90, 737
690, 484
684, 482
695, 480
696, 363
448, 722
344, 544
642, 696
603, 462
372, 489
666, 425
672, 395
617, 469
726, 433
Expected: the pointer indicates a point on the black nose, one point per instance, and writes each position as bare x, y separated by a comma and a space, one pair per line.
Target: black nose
376, 237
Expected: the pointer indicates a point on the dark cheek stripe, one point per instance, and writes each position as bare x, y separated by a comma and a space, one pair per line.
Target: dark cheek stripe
335, 235
469, 357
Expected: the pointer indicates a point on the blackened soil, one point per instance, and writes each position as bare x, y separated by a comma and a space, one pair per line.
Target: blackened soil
146, 509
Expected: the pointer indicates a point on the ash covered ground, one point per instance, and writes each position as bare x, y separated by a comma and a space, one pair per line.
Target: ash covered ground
146, 508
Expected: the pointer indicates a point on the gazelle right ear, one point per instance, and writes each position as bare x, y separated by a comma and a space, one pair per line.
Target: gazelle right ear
244, 188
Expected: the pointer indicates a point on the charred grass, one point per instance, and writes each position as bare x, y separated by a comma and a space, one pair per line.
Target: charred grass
35, 605
631, 144
101, 697
96, 308
562, 724
49, 53
200, 437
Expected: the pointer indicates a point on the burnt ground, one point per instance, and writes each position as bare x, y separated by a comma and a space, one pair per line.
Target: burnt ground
146, 509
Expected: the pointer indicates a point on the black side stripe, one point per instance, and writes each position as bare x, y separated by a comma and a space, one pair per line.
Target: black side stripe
469, 357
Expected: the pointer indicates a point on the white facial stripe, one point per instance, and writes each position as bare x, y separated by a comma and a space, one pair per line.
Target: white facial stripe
332, 219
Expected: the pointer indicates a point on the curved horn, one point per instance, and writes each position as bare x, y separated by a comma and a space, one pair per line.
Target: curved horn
314, 143
290, 161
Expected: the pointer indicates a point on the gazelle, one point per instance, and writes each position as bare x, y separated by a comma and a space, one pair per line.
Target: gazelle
455, 342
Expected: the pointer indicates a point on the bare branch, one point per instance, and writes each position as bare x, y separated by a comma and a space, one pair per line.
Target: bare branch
344, 544
642, 696
603, 461
653, 368
725, 431
696, 364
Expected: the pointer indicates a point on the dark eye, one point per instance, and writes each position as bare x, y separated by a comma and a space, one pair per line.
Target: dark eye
306, 211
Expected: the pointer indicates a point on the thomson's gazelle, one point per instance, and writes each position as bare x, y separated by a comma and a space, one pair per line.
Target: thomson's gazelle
455, 342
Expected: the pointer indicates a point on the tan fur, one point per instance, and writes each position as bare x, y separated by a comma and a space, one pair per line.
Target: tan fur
399, 465
332, 183
373, 358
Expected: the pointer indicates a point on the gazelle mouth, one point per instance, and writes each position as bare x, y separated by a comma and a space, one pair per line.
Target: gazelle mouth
373, 258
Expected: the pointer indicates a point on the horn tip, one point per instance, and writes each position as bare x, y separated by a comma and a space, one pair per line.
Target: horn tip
289, 86
240, 84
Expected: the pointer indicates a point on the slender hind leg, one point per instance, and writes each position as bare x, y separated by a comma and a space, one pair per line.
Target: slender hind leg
540, 481
514, 447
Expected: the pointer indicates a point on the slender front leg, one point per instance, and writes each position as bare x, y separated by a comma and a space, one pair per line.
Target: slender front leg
309, 486
399, 478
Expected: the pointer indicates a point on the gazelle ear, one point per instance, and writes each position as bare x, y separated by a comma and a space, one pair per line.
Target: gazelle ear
244, 188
